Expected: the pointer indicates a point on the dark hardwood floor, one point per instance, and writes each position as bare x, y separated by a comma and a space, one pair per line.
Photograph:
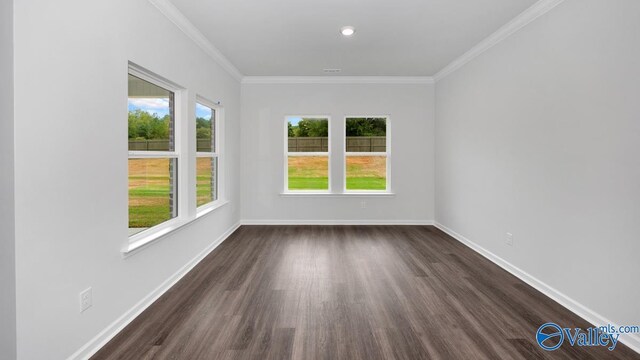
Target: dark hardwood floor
347, 292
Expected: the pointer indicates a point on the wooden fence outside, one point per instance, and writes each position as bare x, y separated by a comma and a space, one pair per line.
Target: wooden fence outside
296, 144
204, 145
354, 144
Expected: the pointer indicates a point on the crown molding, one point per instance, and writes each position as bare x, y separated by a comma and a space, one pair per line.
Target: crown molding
535, 11
175, 16
532, 13
338, 80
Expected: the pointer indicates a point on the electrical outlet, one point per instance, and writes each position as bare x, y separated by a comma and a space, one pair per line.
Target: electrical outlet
86, 300
363, 204
509, 239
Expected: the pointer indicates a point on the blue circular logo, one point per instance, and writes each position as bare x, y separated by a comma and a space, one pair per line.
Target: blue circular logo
549, 336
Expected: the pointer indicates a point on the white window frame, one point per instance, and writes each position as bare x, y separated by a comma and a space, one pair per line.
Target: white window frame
215, 153
387, 154
180, 99
287, 154
185, 151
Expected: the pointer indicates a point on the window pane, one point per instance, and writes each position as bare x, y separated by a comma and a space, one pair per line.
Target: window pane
152, 192
308, 135
150, 116
206, 180
308, 172
366, 134
366, 172
205, 128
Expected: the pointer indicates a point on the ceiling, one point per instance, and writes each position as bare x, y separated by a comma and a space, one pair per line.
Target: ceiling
302, 37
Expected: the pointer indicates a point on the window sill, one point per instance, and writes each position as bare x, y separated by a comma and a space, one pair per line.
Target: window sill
143, 239
338, 195
205, 209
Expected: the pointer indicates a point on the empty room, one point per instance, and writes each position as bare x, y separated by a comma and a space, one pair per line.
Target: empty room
291, 179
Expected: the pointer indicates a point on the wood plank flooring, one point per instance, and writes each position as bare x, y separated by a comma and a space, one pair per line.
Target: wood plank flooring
347, 292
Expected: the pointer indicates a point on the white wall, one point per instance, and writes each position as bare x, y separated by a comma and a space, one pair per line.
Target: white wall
537, 137
410, 107
540, 137
7, 216
71, 164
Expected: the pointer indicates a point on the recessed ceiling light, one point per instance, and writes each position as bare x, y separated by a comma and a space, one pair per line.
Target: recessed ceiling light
347, 30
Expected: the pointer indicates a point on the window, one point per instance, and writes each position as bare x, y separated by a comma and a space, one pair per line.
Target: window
153, 157
307, 153
207, 159
167, 188
366, 154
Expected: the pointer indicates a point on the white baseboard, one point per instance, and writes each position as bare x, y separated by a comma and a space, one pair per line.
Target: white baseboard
337, 222
95, 344
630, 340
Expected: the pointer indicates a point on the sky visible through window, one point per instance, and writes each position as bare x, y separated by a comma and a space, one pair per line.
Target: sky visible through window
203, 112
160, 107
294, 120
